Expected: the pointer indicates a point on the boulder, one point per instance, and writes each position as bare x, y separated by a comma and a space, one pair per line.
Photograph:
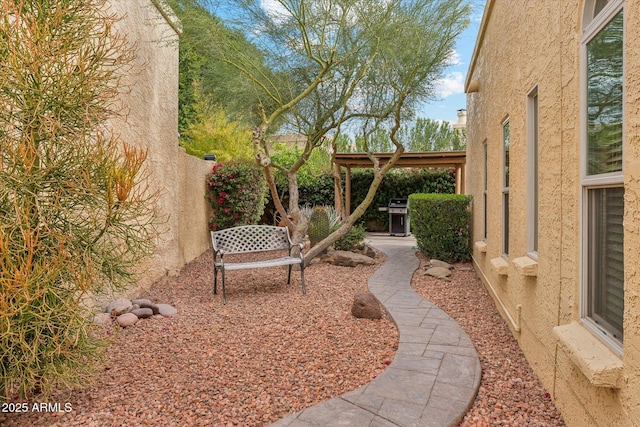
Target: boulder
368, 251
366, 306
438, 263
127, 319
118, 307
439, 272
347, 259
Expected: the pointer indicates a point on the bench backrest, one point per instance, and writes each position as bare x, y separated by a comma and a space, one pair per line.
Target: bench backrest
250, 238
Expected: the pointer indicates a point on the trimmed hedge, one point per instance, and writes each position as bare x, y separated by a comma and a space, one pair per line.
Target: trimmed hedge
441, 225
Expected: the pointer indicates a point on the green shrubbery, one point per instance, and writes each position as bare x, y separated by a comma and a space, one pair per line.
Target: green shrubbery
237, 192
440, 223
397, 183
352, 240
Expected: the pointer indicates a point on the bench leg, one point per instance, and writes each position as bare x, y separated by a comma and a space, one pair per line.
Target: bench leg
215, 280
304, 290
224, 291
289, 276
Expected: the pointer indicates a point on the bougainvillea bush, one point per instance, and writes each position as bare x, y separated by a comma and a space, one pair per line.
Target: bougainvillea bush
237, 192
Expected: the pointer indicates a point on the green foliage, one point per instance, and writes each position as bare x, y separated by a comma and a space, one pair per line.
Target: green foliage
441, 225
201, 75
319, 163
398, 183
75, 214
352, 240
423, 135
237, 194
214, 133
319, 225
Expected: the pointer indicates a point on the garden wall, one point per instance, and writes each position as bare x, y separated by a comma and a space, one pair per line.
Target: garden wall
151, 121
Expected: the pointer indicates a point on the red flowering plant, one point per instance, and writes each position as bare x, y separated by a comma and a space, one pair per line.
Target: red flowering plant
237, 193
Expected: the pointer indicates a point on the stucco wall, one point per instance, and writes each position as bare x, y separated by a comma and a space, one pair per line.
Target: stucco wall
538, 43
151, 122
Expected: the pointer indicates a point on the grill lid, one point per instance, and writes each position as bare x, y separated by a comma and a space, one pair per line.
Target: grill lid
398, 203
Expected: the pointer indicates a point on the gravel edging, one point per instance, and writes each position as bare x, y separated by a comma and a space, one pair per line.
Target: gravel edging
510, 392
269, 352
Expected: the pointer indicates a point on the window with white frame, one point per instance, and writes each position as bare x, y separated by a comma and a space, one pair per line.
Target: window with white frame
532, 173
505, 188
484, 193
602, 170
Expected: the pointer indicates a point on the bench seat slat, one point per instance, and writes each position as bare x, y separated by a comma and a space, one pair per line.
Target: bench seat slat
260, 264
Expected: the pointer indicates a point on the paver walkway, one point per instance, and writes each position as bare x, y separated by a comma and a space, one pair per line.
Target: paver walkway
435, 374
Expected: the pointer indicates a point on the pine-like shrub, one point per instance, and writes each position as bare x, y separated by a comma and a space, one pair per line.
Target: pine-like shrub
352, 240
237, 193
441, 225
75, 215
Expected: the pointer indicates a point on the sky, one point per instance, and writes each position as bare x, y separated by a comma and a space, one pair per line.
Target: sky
451, 88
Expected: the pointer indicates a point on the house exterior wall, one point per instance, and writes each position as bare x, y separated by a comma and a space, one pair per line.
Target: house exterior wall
523, 45
151, 122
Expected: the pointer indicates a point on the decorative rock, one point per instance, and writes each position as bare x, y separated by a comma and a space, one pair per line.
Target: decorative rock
366, 306
103, 319
143, 313
368, 251
145, 303
119, 307
127, 319
347, 259
142, 302
166, 310
438, 272
438, 263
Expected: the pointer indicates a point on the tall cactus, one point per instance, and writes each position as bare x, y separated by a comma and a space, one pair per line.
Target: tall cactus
319, 225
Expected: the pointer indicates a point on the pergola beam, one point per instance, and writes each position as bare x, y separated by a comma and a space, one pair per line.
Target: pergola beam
434, 159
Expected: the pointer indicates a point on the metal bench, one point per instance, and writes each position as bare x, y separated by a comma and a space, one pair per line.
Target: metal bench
252, 238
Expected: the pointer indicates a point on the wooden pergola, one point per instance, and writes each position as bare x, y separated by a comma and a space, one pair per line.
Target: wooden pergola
434, 159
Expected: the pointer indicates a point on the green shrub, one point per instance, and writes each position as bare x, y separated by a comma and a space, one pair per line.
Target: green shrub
440, 223
352, 240
237, 193
76, 217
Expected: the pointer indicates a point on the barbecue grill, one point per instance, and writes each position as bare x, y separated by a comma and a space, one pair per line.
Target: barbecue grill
398, 217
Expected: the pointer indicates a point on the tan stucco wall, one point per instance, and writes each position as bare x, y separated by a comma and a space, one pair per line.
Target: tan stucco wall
538, 43
151, 121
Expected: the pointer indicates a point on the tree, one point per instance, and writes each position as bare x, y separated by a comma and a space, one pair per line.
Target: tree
75, 214
329, 65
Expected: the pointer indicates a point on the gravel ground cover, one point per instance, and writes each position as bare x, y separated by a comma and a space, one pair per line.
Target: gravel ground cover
510, 393
270, 351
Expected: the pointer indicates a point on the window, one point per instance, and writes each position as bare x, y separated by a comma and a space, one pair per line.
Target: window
505, 188
484, 193
532, 173
602, 172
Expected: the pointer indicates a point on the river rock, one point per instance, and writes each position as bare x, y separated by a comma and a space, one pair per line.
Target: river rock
167, 310
127, 319
143, 312
119, 307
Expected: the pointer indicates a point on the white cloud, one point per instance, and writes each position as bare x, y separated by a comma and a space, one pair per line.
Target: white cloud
450, 84
274, 9
454, 59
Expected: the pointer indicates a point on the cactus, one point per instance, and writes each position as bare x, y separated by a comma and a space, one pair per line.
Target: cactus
319, 225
